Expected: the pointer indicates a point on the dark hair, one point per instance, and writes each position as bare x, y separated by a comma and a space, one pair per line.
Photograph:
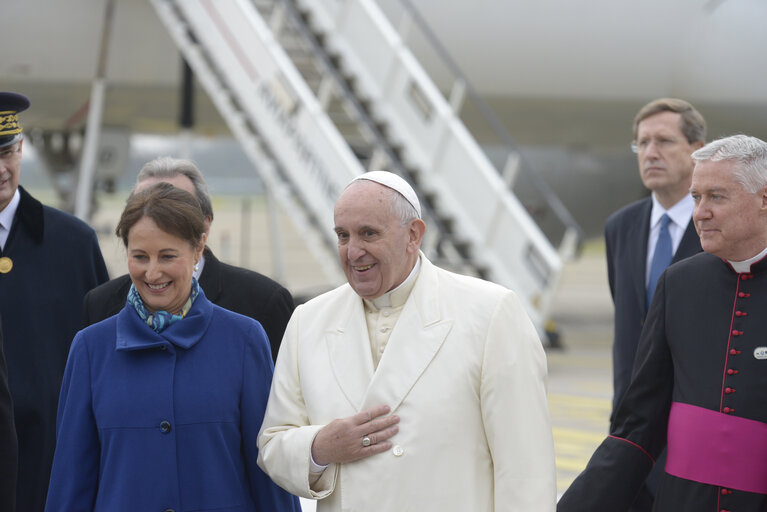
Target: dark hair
175, 211
167, 167
691, 123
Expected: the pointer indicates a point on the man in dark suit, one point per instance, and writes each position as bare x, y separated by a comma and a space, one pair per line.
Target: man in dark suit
9, 448
666, 132
237, 289
48, 261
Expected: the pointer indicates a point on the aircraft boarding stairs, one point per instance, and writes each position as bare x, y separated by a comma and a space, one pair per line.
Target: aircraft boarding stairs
320, 91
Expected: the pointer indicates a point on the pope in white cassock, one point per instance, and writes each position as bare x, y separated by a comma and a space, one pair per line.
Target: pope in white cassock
410, 387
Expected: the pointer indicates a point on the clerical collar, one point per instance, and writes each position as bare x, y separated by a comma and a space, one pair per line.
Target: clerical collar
398, 296
745, 266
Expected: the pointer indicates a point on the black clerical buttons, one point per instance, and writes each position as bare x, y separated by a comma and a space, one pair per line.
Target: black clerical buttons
6, 264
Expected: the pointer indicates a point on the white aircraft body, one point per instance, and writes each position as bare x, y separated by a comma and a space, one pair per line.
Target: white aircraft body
565, 77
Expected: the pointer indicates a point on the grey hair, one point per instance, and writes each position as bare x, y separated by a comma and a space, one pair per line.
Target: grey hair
748, 153
401, 207
168, 167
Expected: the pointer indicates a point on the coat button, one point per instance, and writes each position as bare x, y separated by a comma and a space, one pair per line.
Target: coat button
729, 390
734, 352
741, 313
398, 451
732, 372
164, 426
727, 410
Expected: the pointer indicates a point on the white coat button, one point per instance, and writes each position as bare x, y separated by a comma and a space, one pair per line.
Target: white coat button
385, 313
398, 450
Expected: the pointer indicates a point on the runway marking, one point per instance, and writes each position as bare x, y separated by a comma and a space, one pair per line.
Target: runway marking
579, 424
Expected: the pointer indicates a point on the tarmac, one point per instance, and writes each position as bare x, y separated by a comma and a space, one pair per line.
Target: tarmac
580, 372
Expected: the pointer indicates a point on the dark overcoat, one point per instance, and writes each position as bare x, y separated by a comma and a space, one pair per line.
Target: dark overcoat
8, 445
56, 260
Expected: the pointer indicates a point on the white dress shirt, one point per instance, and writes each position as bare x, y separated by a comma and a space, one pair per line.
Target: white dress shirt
680, 215
6, 218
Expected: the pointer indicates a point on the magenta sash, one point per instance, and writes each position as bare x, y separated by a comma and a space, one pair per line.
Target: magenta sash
718, 449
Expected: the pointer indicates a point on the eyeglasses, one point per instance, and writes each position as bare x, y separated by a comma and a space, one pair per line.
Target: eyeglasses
7, 154
661, 143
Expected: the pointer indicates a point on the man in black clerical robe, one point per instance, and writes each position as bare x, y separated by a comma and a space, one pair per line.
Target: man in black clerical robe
700, 379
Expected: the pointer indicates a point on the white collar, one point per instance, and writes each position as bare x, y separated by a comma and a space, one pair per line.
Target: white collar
200, 266
680, 213
745, 266
385, 300
9, 212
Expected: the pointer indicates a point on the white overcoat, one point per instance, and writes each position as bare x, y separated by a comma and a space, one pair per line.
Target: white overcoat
464, 370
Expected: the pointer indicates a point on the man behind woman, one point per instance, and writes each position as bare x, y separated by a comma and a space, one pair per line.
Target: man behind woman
161, 404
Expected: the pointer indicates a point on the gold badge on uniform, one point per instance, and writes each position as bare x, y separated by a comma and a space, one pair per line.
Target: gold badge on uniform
6, 264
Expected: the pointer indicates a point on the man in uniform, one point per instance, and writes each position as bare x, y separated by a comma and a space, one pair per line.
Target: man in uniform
48, 262
701, 372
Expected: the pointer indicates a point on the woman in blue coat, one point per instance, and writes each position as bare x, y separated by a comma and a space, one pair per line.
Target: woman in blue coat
161, 404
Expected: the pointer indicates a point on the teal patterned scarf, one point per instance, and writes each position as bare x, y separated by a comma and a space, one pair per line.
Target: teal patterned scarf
161, 320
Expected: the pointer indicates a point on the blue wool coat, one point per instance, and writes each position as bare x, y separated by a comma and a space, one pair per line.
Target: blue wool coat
165, 421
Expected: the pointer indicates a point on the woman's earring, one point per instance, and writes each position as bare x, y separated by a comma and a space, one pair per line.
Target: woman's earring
197, 267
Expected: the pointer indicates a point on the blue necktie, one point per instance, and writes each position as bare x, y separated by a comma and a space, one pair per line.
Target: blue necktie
661, 258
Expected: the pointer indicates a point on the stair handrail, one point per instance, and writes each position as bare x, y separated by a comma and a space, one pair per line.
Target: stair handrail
573, 232
396, 164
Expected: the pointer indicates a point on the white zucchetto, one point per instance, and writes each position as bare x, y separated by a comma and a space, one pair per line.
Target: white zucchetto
394, 182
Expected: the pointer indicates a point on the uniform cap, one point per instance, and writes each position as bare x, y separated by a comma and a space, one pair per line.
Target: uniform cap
11, 104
